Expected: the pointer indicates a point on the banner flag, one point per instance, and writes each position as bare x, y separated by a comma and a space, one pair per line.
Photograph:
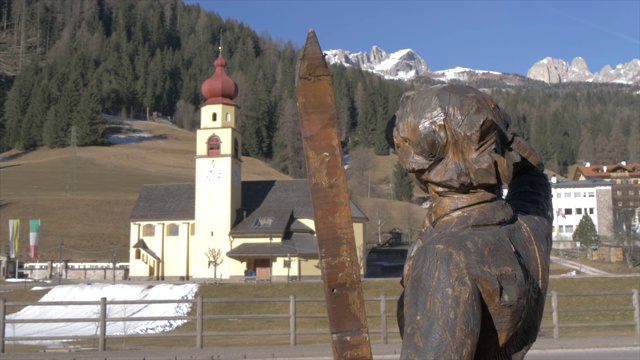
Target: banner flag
14, 237
34, 237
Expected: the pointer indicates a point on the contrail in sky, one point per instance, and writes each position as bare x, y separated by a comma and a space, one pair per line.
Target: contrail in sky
597, 26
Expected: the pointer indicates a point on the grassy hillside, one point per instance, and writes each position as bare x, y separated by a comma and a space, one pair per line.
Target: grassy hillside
93, 221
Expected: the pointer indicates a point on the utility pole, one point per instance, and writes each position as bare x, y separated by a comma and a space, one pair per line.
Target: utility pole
114, 266
60, 262
72, 177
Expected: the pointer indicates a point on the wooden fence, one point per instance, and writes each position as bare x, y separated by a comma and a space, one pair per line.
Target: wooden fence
379, 328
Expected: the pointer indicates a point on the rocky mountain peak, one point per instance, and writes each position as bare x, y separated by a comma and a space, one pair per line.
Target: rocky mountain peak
554, 71
403, 64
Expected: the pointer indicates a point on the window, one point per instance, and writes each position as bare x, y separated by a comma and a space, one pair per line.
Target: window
214, 117
630, 192
228, 117
559, 195
192, 229
214, 146
568, 211
578, 211
592, 194
577, 194
173, 230
568, 229
619, 192
561, 229
567, 194
149, 230
137, 256
591, 211
263, 222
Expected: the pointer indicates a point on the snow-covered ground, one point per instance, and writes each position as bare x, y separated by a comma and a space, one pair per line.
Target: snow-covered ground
95, 291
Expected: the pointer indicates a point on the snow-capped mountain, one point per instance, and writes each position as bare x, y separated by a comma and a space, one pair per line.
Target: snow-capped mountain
554, 71
400, 65
407, 65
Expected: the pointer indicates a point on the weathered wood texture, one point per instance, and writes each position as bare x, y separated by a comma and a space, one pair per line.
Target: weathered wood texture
331, 206
476, 279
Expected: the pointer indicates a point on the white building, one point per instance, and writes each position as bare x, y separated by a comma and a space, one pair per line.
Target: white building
571, 200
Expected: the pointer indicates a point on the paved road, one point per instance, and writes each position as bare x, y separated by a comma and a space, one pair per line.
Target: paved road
588, 354
620, 347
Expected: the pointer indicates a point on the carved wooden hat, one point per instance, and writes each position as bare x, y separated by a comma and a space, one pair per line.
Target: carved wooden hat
456, 137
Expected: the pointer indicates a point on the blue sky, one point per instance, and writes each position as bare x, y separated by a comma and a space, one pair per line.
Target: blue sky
504, 36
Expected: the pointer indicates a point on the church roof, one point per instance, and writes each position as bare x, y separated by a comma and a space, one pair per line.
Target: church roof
143, 246
300, 245
165, 202
294, 194
264, 222
279, 199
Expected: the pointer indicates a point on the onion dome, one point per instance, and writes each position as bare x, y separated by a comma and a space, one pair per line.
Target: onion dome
219, 88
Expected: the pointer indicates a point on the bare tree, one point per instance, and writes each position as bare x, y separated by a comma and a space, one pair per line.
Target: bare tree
215, 259
288, 262
413, 224
359, 171
380, 221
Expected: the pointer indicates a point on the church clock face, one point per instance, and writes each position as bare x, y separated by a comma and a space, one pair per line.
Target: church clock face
214, 173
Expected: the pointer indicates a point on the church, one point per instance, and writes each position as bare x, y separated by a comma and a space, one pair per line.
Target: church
220, 226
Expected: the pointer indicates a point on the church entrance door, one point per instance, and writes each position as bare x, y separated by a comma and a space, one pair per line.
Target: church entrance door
263, 268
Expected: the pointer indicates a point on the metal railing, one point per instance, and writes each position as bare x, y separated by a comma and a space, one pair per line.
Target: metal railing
294, 316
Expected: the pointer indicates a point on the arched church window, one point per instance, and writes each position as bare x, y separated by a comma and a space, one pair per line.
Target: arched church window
214, 117
137, 255
228, 117
214, 146
236, 149
192, 229
173, 230
149, 230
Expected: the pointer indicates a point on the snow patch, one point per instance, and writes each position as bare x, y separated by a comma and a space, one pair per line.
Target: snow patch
96, 291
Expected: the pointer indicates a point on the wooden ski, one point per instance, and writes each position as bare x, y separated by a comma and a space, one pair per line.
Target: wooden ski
331, 205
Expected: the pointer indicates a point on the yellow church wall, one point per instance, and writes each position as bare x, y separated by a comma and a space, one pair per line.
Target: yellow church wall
308, 267
171, 248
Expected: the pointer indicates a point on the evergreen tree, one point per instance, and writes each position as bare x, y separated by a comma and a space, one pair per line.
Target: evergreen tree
288, 150
634, 145
586, 232
402, 183
18, 102
88, 120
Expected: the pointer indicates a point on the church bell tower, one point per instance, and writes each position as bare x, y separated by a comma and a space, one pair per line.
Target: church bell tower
218, 178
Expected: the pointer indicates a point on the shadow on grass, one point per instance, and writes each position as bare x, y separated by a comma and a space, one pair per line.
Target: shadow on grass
14, 156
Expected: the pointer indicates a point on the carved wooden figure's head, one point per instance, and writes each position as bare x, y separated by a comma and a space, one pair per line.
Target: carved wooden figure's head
453, 137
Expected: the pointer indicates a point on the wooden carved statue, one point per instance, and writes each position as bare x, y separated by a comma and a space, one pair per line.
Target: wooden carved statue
476, 279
